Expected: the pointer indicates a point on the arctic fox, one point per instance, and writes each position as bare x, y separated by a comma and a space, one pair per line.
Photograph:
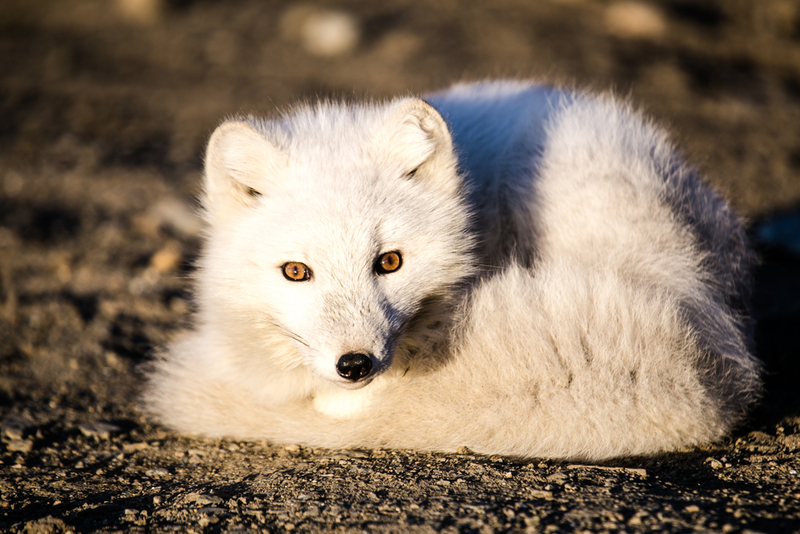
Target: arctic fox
510, 267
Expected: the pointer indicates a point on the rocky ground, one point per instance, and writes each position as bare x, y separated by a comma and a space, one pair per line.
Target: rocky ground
104, 109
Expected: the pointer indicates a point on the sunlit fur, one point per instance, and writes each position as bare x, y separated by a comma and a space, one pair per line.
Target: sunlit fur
569, 288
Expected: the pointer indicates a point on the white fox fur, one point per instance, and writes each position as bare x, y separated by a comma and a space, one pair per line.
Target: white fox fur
568, 287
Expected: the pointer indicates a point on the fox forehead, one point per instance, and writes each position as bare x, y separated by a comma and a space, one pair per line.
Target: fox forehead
345, 235
342, 203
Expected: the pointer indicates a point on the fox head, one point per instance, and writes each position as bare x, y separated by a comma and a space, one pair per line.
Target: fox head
333, 232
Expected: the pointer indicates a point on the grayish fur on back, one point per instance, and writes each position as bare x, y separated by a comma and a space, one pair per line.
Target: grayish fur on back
579, 292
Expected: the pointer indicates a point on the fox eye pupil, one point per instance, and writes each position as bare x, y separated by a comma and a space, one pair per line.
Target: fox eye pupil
296, 271
388, 263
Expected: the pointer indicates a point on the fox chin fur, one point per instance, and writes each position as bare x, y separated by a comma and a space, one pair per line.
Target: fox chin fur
569, 287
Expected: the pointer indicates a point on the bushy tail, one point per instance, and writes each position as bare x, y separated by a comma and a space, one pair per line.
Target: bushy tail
569, 362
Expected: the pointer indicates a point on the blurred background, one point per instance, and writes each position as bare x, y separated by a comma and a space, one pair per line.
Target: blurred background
105, 107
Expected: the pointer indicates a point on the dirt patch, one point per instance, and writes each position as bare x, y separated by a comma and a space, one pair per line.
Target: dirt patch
104, 110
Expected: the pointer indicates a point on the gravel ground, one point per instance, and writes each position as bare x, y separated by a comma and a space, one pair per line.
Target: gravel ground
105, 106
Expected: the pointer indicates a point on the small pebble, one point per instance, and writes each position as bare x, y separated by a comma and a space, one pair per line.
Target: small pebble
202, 498
211, 510
714, 463
15, 428
20, 445
206, 520
634, 20
98, 429
167, 259
144, 12
322, 32
355, 454
158, 472
132, 447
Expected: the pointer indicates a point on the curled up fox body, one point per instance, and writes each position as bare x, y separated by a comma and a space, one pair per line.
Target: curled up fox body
510, 267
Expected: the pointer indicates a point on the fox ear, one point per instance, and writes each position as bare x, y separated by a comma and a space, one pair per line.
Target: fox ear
417, 139
239, 164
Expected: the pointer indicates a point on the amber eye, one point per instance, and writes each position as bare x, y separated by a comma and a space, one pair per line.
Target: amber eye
296, 271
388, 263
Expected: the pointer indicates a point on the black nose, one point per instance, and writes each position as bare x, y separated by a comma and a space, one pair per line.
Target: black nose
354, 366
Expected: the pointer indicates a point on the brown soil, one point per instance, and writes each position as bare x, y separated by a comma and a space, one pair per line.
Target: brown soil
104, 110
